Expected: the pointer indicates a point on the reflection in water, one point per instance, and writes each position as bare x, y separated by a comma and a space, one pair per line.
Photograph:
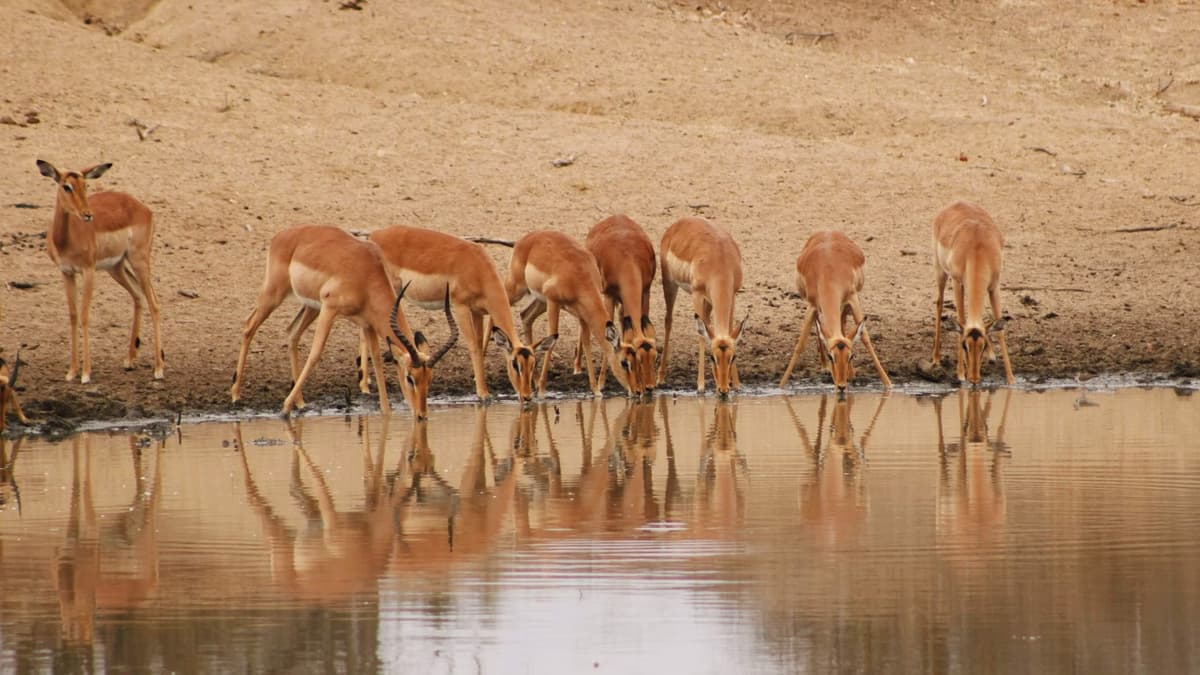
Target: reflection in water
834, 500
971, 504
1043, 536
720, 481
337, 553
10, 492
114, 567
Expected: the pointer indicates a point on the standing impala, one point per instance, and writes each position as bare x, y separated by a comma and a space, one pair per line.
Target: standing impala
430, 261
967, 248
626, 260
704, 260
110, 231
333, 274
829, 274
561, 274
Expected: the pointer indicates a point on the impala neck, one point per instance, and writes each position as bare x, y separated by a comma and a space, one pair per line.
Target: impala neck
976, 275
720, 294
829, 306
60, 225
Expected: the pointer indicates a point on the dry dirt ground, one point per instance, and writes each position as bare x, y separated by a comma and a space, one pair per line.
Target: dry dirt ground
1073, 123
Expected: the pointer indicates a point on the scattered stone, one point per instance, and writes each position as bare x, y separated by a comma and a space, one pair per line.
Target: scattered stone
930, 371
1185, 369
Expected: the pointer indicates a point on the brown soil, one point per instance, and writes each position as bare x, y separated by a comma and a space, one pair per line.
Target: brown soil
1072, 123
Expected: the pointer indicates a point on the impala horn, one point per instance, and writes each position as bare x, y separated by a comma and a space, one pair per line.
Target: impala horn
412, 351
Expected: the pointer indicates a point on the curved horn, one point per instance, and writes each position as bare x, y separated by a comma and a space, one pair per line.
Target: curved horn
16, 367
453, 332
412, 351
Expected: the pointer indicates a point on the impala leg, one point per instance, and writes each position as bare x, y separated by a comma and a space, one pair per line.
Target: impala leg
602, 376
585, 336
552, 311
530, 314
866, 340
471, 325
141, 272
804, 328
324, 324
300, 323
1008, 373
85, 309
364, 374
73, 319
670, 290
937, 317
121, 276
267, 302
702, 309
961, 310
580, 345
371, 338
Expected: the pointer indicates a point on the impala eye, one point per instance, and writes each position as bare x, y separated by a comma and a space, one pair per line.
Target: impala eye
625, 364
733, 359
67, 187
411, 381
516, 365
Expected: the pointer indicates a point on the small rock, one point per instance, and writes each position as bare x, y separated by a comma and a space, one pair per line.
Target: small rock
931, 371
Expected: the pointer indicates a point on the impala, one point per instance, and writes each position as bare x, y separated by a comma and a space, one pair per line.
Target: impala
333, 274
560, 274
431, 261
829, 275
704, 260
967, 248
110, 231
8, 392
627, 263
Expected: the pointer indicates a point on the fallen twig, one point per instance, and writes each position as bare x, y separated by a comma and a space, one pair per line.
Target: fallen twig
1043, 150
1148, 228
1192, 111
816, 38
1046, 289
1164, 87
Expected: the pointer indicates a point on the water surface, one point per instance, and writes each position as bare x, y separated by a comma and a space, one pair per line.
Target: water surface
1009, 531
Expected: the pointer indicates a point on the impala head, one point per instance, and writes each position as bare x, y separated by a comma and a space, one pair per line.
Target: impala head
638, 356
977, 342
418, 364
841, 355
722, 352
521, 361
72, 187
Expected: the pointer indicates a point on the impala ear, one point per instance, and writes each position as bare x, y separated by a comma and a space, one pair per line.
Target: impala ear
47, 169
702, 329
96, 171
737, 333
545, 344
820, 333
648, 328
858, 332
612, 335
501, 339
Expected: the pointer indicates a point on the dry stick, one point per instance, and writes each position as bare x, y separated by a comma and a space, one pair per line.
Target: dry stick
1192, 111
1047, 289
816, 37
1165, 87
1148, 228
